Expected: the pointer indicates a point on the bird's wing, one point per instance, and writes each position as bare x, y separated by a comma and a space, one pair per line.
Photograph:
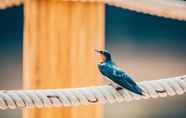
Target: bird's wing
118, 73
115, 73
126, 81
119, 77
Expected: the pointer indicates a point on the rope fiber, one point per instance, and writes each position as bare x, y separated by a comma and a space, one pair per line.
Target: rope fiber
12, 99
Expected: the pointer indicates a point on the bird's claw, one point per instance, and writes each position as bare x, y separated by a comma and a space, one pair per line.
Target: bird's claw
118, 88
115, 87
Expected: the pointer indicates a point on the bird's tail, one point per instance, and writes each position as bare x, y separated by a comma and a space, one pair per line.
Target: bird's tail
138, 90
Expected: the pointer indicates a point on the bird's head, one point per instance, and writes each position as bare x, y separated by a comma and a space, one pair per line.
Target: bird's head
105, 55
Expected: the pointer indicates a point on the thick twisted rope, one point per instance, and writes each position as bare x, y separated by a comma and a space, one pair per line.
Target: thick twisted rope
9, 3
89, 95
174, 9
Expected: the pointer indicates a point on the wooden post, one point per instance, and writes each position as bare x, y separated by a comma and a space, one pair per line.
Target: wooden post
59, 42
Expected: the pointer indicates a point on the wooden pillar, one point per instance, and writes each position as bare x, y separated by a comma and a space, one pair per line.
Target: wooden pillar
59, 42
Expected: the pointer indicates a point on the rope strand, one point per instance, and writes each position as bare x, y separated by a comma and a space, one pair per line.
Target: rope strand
12, 99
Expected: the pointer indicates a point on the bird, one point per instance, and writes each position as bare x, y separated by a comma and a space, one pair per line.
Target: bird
117, 76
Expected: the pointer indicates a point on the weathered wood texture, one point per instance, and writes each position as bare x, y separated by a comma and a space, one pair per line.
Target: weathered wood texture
59, 43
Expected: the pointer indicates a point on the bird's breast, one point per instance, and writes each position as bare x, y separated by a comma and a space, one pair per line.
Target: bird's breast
106, 70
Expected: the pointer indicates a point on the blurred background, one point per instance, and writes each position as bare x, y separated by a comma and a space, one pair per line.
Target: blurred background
147, 47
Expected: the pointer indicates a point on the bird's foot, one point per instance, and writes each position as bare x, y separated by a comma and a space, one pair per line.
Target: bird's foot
118, 88
115, 87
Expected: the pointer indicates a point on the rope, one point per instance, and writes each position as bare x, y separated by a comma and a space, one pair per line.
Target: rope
9, 3
13, 99
174, 9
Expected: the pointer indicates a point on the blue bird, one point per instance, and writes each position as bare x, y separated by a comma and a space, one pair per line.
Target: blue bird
115, 74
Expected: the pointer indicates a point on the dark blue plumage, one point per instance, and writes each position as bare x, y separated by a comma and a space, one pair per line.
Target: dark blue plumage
115, 74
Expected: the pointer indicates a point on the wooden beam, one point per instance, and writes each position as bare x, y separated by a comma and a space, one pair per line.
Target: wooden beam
59, 43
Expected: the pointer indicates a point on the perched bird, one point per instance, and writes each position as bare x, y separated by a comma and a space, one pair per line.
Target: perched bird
115, 74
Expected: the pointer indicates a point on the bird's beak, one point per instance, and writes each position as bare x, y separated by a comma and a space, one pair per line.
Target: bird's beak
101, 56
98, 51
